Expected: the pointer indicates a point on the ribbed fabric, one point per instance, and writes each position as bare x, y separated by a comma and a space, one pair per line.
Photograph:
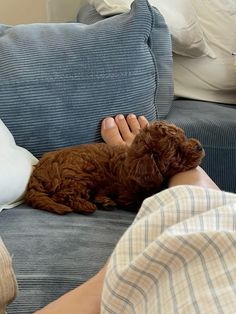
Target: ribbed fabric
160, 48
8, 285
58, 81
53, 254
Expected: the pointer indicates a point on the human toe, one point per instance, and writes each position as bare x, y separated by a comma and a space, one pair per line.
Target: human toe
110, 132
133, 123
142, 121
124, 129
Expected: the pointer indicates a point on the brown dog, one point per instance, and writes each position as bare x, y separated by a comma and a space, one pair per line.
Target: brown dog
76, 179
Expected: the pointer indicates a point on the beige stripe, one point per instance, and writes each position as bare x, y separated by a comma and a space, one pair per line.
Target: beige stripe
8, 283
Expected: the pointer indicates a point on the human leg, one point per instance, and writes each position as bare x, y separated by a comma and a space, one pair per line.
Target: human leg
197, 177
85, 299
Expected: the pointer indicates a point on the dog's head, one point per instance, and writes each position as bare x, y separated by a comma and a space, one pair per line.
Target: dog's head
162, 150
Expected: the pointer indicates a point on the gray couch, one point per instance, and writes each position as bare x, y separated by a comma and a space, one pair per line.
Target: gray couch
53, 254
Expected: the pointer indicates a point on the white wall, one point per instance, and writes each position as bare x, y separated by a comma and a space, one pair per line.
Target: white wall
23, 11
63, 10
38, 11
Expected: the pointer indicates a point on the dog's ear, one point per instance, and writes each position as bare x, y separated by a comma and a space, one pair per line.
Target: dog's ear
145, 172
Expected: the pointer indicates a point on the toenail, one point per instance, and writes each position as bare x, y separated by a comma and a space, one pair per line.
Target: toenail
109, 123
142, 118
120, 117
132, 116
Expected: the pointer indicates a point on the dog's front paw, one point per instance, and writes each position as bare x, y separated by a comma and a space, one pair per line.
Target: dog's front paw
106, 202
83, 206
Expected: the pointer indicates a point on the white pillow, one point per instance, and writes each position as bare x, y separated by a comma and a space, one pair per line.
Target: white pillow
187, 35
199, 29
211, 79
16, 164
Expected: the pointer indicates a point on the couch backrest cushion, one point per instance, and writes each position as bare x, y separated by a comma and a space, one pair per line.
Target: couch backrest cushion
58, 81
188, 38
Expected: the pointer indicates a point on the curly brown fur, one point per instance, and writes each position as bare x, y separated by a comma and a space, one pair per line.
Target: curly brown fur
77, 179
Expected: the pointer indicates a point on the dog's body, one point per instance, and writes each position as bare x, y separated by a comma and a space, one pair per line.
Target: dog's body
78, 178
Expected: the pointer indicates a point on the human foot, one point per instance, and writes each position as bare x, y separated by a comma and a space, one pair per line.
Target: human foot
121, 130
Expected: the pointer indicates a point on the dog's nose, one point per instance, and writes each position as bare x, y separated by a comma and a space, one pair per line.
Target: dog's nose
199, 147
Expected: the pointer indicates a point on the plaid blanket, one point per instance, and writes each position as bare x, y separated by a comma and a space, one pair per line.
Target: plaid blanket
8, 285
178, 256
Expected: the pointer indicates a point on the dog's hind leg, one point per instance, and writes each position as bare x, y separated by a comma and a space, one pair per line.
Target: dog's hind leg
41, 200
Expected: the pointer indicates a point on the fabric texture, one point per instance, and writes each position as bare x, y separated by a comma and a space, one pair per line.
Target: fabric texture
8, 284
187, 35
160, 44
54, 254
204, 78
16, 165
178, 256
203, 62
56, 80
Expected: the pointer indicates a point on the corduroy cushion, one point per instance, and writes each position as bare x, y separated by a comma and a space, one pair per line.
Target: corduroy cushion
54, 254
58, 81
